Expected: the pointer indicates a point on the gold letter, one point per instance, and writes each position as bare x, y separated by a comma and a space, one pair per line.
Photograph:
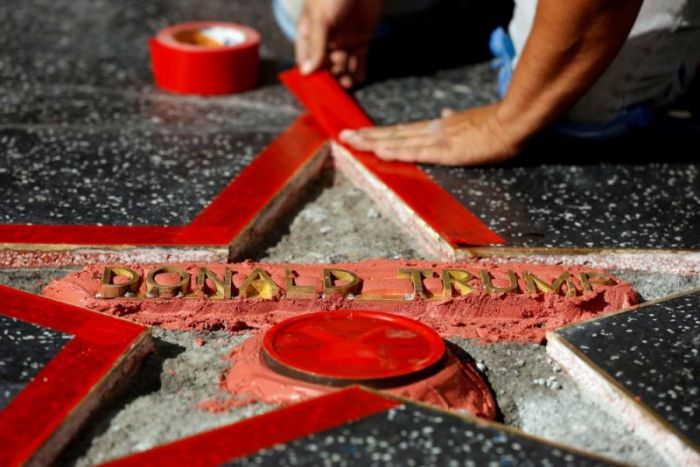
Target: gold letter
490, 288
297, 291
533, 283
259, 285
594, 278
456, 278
416, 276
154, 289
110, 290
332, 275
222, 288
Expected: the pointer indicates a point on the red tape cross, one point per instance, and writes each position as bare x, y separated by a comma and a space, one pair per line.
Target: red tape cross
335, 110
264, 431
218, 224
42, 406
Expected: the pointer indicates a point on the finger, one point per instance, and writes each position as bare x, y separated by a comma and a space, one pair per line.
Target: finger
311, 43
369, 138
357, 65
428, 154
399, 131
301, 44
352, 64
406, 142
353, 139
346, 81
440, 154
339, 62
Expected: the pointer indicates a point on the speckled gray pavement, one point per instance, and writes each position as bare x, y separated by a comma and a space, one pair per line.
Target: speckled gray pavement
26, 348
654, 353
410, 435
641, 191
86, 138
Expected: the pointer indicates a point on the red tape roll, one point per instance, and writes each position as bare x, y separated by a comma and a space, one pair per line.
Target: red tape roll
205, 58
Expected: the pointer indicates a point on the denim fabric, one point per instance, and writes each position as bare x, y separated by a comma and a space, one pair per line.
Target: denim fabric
637, 116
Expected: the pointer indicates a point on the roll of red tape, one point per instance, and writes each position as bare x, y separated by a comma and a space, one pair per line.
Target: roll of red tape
205, 58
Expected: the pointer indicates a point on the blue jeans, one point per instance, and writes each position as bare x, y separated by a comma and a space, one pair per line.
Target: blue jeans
638, 116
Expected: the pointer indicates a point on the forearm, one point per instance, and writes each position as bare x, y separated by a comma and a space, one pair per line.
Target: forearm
571, 44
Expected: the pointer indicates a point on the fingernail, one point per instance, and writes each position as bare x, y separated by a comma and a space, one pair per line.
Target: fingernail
307, 67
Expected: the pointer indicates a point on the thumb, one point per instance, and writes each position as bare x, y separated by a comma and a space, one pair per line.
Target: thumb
311, 43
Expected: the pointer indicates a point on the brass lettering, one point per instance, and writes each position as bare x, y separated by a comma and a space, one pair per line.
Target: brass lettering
512, 287
222, 287
352, 286
534, 283
259, 284
297, 291
456, 279
123, 282
110, 290
416, 276
154, 289
588, 279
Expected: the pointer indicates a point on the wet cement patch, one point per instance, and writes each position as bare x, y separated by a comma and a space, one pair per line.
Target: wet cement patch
535, 395
162, 402
532, 393
336, 222
32, 280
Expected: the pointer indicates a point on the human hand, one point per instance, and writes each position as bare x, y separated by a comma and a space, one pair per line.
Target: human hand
472, 137
336, 34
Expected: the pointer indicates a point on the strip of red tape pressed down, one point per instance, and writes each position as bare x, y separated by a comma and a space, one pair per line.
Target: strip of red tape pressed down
335, 110
55, 392
228, 215
264, 431
245, 198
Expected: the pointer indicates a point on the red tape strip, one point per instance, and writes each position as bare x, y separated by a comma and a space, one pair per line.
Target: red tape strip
335, 110
60, 386
264, 431
219, 223
257, 186
88, 234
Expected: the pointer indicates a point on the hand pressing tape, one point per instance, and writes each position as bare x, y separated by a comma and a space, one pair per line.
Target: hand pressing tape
205, 58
